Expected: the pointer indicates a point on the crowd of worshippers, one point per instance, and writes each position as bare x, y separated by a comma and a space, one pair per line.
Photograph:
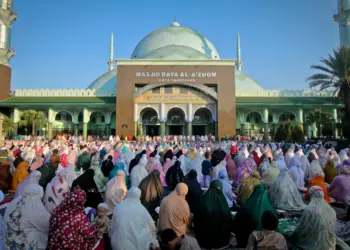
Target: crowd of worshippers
162, 195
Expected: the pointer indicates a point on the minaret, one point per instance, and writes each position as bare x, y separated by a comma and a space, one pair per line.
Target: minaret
111, 53
6, 19
239, 62
343, 20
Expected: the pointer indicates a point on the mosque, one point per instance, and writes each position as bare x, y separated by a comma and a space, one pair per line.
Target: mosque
174, 83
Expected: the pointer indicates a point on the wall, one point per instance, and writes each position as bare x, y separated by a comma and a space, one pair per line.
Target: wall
5, 82
130, 75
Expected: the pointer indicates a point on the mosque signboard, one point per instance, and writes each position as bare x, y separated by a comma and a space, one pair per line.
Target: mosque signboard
173, 77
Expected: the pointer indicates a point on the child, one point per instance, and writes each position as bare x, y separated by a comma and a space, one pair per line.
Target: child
206, 169
268, 238
101, 221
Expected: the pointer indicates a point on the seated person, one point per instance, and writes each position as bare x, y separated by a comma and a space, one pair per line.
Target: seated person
268, 238
169, 240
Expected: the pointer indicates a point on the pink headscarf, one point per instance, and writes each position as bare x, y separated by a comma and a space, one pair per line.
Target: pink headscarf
167, 165
63, 160
150, 165
158, 166
38, 162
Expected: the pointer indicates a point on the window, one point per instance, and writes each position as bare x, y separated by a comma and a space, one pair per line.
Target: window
80, 118
156, 90
168, 90
183, 90
93, 120
102, 119
58, 117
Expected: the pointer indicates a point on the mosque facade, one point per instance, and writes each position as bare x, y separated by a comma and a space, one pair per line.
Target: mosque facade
174, 83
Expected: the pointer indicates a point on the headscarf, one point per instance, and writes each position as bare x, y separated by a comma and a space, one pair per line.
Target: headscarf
115, 191
317, 226
132, 226
158, 166
213, 221
313, 170
107, 167
256, 158
33, 178
243, 171
230, 167
318, 181
343, 156
250, 162
330, 172
38, 162
304, 162
150, 165
264, 166
174, 175
296, 172
56, 191
270, 174
5, 176
284, 193
27, 221
138, 173
248, 217
174, 211
340, 187
226, 187
70, 227
86, 183
99, 178
134, 162
20, 174
194, 194
247, 187
152, 191
167, 165
69, 174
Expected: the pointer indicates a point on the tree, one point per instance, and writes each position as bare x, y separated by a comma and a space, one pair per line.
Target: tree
298, 134
280, 133
33, 119
288, 131
321, 118
335, 74
8, 125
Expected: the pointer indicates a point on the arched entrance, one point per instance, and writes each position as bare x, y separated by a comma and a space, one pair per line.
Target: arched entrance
63, 124
254, 124
97, 124
149, 119
176, 122
202, 121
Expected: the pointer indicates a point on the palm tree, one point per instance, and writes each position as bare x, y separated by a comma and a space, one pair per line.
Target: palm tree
335, 74
8, 125
320, 117
33, 118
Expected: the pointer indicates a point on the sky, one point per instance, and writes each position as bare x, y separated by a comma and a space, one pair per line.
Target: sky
65, 43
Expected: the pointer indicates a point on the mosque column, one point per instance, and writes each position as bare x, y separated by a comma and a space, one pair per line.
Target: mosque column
300, 116
50, 118
314, 130
162, 128
335, 122
189, 119
162, 119
266, 123
139, 129
86, 119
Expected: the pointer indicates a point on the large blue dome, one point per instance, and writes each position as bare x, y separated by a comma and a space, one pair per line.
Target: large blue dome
172, 43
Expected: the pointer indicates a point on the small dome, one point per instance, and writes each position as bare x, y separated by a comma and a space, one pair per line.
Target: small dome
171, 40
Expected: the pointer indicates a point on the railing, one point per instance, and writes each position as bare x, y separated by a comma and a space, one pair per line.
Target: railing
285, 93
53, 92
